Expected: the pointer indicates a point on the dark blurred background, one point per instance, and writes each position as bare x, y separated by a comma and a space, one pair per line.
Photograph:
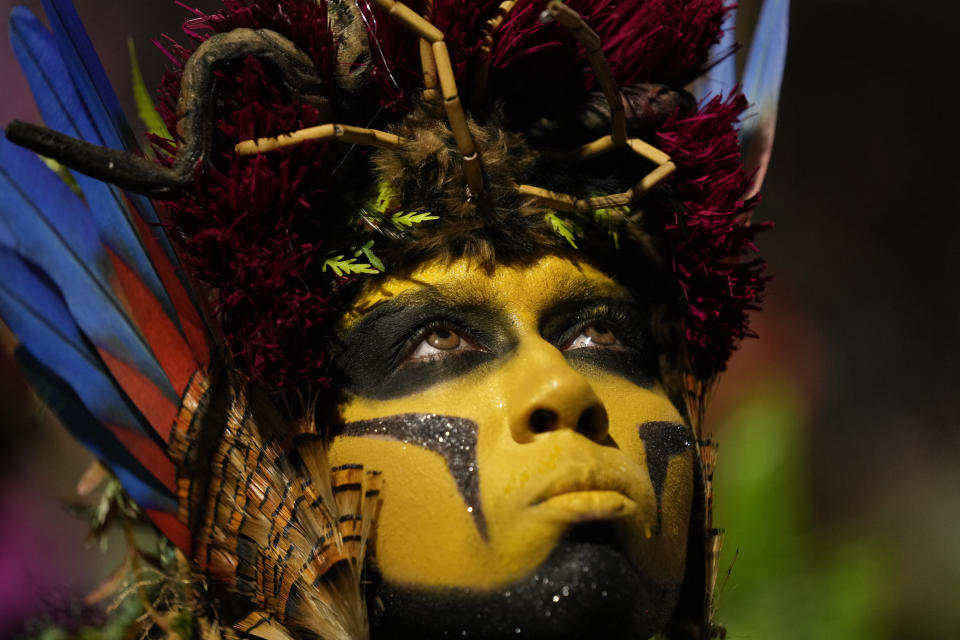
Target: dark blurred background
838, 481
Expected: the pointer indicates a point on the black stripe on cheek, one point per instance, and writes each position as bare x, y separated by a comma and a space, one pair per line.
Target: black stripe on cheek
662, 441
453, 438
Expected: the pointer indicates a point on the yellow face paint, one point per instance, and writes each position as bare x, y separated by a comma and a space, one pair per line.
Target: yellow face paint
505, 408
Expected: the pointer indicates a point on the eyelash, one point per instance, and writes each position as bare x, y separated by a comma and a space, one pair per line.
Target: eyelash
614, 320
410, 346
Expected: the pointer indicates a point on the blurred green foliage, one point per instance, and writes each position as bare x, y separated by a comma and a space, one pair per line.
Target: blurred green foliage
782, 577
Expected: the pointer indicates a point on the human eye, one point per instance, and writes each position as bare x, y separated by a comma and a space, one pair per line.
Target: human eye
438, 341
594, 334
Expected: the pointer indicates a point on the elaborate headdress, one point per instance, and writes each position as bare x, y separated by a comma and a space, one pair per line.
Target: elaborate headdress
316, 142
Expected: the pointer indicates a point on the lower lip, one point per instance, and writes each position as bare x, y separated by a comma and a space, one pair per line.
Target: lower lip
582, 506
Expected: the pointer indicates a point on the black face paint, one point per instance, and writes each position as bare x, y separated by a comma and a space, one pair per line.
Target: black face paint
587, 588
662, 441
369, 358
453, 438
634, 359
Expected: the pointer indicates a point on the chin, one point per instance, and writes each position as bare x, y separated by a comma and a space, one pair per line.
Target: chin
586, 588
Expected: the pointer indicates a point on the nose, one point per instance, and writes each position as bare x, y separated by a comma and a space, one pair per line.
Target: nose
544, 393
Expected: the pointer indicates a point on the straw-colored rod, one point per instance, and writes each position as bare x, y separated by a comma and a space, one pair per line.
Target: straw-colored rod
648, 151
494, 23
429, 65
610, 201
630, 196
332, 131
654, 178
427, 62
591, 42
567, 203
572, 22
618, 116
456, 115
482, 76
473, 170
411, 20
429, 70
598, 147
549, 199
451, 100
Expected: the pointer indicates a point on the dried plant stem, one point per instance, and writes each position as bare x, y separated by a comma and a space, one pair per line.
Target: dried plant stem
331, 131
570, 204
482, 77
155, 616
429, 65
587, 37
411, 20
458, 118
427, 62
448, 86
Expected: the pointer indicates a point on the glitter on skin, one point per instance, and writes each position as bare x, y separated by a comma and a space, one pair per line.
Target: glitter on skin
453, 438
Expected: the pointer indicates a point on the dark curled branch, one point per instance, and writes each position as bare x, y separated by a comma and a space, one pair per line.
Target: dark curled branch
194, 118
647, 107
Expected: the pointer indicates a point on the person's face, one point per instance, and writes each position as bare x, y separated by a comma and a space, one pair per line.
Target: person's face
518, 422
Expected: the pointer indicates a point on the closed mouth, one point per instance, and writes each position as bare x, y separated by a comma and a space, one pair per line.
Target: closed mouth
592, 482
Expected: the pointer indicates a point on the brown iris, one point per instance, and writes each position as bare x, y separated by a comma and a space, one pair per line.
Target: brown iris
443, 339
600, 333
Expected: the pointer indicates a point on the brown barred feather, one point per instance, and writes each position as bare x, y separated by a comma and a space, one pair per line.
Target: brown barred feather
281, 530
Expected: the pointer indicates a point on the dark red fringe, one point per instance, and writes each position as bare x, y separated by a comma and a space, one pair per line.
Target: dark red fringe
253, 227
704, 224
664, 41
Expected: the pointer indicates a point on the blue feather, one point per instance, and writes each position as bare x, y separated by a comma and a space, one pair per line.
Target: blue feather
35, 311
721, 79
97, 92
52, 228
7, 241
63, 107
88, 75
142, 486
763, 73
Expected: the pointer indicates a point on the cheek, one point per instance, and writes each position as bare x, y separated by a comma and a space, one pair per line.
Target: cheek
433, 528
648, 428
425, 533
663, 557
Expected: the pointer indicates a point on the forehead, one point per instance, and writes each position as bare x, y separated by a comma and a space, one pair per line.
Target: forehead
517, 289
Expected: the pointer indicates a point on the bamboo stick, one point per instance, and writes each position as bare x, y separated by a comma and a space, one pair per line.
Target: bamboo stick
570, 204
654, 178
427, 61
457, 117
331, 131
482, 77
598, 147
587, 37
610, 201
429, 65
411, 20
550, 199
606, 144
648, 151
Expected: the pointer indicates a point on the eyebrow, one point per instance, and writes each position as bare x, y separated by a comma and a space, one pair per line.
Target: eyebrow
442, 296
585, 294
456, 296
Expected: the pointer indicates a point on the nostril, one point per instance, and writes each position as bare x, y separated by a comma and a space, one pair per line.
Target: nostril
593, 422
543, 420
